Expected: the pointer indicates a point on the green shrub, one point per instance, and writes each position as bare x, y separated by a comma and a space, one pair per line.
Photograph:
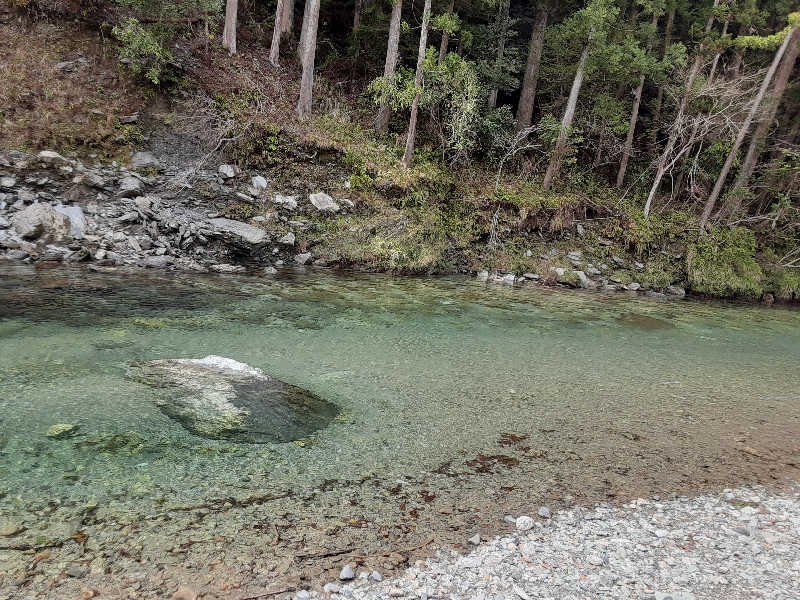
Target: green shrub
143, 49
722, 263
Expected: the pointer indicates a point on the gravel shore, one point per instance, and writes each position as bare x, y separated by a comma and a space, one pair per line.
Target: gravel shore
739, 544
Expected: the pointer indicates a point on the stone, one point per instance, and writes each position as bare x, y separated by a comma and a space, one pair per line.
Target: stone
4, 223
76, 218
184, 592
633, 286
289, 202
10, 530
303, 258
331, 588
376, 576
302, 595
584, 280
287, 239
228, 171
226, 268
347, 573
679, 595
270, 271
7, 182
531, 276
158, 262
26, 196
50, 157
41, 220
475, 539
220, 398
618, 261
77, 571
259, 183
524, 523
544, 512
482, 275
674, 290
145, 160
239, 232
130, 187
61, 430
324, 203
579, 229
15, 254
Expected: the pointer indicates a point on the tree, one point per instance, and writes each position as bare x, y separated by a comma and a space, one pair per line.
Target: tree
274, 49
412, 123
303, 29
760, 134
385, 111
526, 100
637, 99
309, 52
569, 115
501, 25
660, 95
287, 18
357, 16
723, 174
445, 35
229, 31
675, 129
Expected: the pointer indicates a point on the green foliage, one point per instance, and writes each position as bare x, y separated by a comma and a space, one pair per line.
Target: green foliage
143, 48
446, 22
722, 263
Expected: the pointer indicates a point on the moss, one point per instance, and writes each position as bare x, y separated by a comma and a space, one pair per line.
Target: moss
660, 272
783, 283
722, 263
569, 278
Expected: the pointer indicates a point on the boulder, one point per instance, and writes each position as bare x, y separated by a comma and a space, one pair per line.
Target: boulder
41, 220
259, 183
324, 203
158, 262
289, 202
287, 239
303, 258
228, 171
76, 218
221, 398
52, 158
130, 187
239, 232
145, 160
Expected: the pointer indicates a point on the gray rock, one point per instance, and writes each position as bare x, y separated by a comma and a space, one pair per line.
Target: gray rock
324, 203
303, 258
376, 576
220, 398
76, 218
531, 276
158, 262
544, 512
226, 268
259, 183
509, 279
594, 272
679, 595
579, 229
145, 160
482, 275
618, 261
528, 253
633, 286
15, 254
347, 573
475, 539
26, 196
41, 220
524, 523
287, 239
585, 282
289, 202
331, 588
302, 595
4, 223
228, 171
7, 182
674, 290
50, 157
77, 571
239, 232
130, 187
270, 271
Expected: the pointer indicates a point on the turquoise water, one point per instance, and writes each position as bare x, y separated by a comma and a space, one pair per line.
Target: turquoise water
422, 370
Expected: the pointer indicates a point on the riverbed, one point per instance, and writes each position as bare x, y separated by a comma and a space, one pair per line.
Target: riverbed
458, 403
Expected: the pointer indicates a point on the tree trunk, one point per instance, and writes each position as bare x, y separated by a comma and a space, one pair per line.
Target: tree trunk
275, 48
526, 100
229, 32
287, 19
660, 95
569, 115
303, 29
760, 134
357, 16
675, 130
412, 123
637, 99
723, 174
309, 51
502, 26
445, 35
385, 111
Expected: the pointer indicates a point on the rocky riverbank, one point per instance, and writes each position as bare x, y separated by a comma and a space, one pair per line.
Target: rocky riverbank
57, 209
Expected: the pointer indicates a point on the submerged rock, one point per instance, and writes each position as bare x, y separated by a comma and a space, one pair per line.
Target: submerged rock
220, 398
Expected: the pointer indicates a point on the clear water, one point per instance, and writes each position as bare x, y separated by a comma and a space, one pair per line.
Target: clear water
422, 370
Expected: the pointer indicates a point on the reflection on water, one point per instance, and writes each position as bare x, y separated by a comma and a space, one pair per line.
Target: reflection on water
420, 369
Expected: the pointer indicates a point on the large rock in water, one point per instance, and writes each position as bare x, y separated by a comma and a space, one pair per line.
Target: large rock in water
220, 398
41, 220
239, 232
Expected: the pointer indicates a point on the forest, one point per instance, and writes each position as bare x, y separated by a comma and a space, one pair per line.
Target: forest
651, 122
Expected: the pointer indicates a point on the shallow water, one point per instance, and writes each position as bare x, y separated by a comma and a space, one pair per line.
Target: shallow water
422, 370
